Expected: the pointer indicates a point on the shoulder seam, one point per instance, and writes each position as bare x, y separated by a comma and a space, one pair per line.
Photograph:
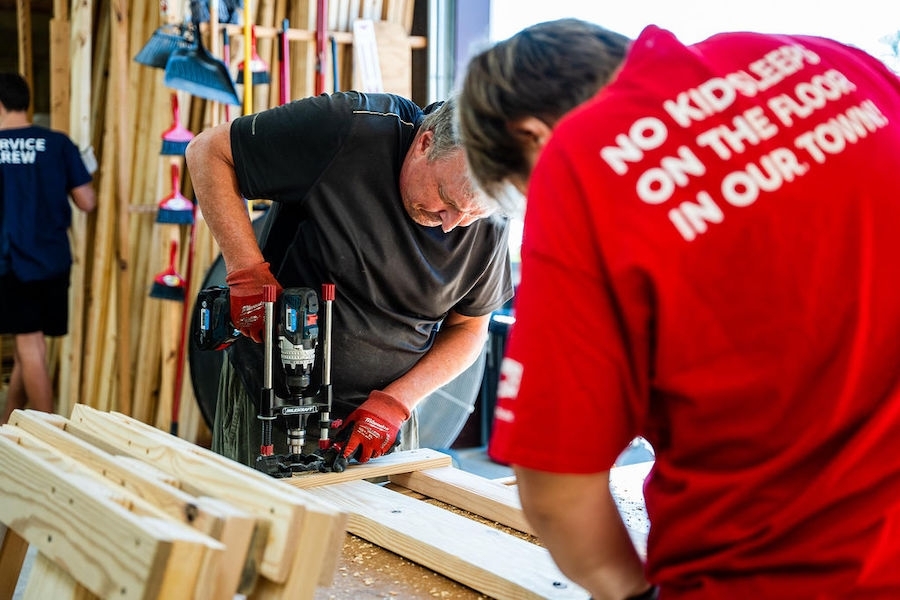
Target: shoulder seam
383, 114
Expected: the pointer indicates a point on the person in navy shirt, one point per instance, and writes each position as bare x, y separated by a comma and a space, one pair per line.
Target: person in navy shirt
39, 170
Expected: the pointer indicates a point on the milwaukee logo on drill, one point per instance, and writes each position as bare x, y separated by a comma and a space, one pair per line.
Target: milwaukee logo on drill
21, 151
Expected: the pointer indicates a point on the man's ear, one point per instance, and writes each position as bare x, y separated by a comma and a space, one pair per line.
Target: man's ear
424, 141
531, 132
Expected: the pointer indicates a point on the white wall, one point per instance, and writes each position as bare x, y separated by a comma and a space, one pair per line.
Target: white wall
861, 23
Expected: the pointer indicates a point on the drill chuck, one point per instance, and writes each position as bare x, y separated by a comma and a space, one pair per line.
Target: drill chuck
298, 337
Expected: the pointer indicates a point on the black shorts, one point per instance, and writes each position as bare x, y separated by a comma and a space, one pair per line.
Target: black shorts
30, 306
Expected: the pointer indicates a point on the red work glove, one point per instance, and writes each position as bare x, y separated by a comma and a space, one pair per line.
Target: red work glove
373, 427
245, 292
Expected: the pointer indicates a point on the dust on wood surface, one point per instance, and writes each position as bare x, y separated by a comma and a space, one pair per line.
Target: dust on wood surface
368, 572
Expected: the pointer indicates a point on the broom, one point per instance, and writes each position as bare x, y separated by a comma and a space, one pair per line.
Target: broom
164, 41
195, 71
176, 138
258, 68
175, 208
168, 284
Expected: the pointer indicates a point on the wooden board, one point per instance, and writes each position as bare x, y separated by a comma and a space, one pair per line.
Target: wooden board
234, 528
490, 499
390, 464
76, 520
304, 535
481, 557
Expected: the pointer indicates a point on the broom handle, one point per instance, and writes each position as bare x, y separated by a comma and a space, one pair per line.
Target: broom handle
248, 57
284, 90
176, 111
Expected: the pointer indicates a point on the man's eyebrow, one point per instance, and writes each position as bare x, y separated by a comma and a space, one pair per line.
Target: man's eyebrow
444, 197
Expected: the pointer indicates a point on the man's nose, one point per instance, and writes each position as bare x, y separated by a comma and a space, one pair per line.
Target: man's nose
450, 218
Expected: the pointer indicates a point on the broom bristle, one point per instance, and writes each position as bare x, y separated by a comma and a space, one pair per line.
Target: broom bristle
164, 41
173, 148
177, 217
167, 292
194, 77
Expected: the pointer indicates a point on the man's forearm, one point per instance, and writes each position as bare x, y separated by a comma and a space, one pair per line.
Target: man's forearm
211, 167
457, 345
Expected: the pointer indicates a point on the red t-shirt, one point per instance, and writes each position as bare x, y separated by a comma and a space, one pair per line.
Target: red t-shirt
711, 259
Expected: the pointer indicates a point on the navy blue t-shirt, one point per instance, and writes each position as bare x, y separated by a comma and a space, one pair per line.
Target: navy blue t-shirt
331, 164
38, 168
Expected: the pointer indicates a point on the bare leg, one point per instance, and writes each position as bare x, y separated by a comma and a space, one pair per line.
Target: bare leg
15, 393
30, 382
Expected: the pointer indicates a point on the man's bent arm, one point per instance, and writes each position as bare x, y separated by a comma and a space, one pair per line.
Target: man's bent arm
456, 346
211, 166
576, 518
84, 197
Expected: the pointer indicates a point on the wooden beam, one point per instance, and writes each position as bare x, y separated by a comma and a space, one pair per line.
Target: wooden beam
495, 563
232, 527
470, 492
389, 464
77, 521
12, 555
299, 523
23, 26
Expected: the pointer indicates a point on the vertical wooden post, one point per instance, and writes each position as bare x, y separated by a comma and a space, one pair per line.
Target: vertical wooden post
59, 66
80, 131
119, 93
23, 24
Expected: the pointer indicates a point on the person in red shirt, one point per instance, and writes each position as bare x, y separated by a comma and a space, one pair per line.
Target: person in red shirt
710, 261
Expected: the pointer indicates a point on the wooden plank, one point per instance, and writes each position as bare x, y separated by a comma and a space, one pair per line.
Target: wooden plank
395, 58
88, 527
12, 555
48, 580
208, 565
229, 525
290, 512
486, 559
389, 464
469, 492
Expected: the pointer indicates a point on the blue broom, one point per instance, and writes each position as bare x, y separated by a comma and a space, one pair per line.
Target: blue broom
175, 208
176, 138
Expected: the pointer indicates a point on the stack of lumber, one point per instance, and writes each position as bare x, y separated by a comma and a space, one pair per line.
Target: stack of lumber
115, 507
125, 348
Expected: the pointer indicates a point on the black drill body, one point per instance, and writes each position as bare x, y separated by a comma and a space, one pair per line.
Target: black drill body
292, 329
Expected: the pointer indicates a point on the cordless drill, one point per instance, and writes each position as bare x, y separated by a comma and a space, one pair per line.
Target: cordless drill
295, 333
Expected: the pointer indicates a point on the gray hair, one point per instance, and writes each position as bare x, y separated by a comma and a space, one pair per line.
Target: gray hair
442, 121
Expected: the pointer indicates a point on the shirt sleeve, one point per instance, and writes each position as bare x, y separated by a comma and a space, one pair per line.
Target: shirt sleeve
280, 153
76, 171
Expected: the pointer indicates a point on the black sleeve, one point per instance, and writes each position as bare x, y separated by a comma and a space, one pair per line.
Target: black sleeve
279, 153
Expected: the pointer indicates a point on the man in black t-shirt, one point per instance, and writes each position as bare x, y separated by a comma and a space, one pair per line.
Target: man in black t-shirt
370, 193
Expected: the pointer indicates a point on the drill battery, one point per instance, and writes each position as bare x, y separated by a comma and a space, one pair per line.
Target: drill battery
213, 328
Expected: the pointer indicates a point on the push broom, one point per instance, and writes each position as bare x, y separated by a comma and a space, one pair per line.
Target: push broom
195, 71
